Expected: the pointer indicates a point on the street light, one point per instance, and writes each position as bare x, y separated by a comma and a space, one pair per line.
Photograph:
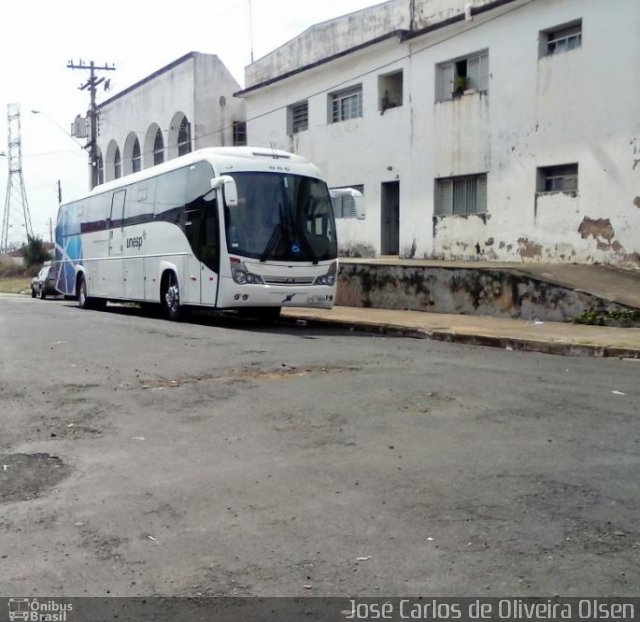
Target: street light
60, 128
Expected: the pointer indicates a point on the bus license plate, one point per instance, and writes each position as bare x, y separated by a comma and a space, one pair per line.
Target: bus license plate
317, 300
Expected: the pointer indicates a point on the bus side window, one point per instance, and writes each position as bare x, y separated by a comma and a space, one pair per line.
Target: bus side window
170, 197
202, 216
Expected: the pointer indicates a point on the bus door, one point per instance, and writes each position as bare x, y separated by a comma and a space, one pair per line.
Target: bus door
114, 269
202, 266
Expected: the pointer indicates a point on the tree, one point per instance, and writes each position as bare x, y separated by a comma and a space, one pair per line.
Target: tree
34, 252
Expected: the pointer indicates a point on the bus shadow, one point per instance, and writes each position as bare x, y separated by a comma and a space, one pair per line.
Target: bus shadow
305, 329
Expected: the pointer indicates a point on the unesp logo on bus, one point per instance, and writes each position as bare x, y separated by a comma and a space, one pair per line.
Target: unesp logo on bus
32, 609
137, 241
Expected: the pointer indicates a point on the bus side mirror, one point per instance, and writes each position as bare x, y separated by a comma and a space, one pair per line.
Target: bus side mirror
229, 188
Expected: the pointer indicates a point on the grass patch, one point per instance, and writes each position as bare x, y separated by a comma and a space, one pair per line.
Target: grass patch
611, 317
15, 285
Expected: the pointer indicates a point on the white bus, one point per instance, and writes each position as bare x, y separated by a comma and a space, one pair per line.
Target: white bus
230, 228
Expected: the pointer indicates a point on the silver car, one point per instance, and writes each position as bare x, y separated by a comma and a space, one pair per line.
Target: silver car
44, 284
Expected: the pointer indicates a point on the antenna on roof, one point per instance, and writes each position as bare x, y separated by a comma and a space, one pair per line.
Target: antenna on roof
251, 28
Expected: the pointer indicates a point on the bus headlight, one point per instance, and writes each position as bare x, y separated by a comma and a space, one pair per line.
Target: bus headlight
241, 275
329, 278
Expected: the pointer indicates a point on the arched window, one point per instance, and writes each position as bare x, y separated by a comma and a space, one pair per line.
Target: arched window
136, 162
158, 148
100, 164
117, 165
184, 137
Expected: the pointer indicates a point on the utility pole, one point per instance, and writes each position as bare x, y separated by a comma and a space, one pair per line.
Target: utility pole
92, 84
16, 194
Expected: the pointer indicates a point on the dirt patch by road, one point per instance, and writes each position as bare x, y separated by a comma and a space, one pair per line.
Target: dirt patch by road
26, 476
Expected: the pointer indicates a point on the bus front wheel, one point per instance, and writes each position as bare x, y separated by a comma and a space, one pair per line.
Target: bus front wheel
170, 298
83, 300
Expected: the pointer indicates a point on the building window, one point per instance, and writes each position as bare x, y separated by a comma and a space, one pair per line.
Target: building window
461, 195
390, 89
158, 148
239, 133
344, 204
456, 76
562, 178
561, 39
100, 165
136, 161
346, 104
184, 137
117, 164
298, 117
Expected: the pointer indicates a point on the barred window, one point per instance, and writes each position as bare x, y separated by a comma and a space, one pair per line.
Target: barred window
239, 133
346, 104
562, 178
158, 148
461, 195
184, 137
298, 117
561, 38
136, 159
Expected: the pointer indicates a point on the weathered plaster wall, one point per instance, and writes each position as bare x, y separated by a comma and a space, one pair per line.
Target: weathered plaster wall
575, 107
473, 291
329, 38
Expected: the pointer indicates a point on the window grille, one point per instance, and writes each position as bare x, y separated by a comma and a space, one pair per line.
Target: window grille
299, 117
239, 133
562, 39
558, 178
346, 104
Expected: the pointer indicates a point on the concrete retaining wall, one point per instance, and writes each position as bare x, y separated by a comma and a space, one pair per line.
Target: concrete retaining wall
469, 291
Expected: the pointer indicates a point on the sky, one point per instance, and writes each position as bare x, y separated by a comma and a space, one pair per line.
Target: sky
40, 37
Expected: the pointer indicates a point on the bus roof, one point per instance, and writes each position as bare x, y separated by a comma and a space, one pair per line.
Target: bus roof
224, 160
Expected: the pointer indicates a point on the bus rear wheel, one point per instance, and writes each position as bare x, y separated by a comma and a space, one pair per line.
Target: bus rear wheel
170, 298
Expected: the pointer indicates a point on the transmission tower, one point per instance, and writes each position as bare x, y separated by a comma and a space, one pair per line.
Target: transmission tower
16, 198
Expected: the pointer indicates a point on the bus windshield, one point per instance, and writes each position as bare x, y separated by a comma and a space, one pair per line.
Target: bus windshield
281, 217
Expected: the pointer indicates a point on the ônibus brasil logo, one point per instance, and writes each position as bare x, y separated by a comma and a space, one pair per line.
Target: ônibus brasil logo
47, 610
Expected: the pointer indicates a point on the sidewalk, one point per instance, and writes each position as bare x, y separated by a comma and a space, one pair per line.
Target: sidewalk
547, 337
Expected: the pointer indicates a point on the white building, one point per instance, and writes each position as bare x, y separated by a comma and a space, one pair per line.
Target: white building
491, 129
187, 105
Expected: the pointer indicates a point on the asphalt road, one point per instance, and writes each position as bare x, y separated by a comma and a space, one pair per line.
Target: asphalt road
141, 457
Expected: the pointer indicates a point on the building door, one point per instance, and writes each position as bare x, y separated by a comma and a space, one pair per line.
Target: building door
390, 218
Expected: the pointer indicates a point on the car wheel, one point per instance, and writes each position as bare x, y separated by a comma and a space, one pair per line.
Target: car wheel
43, 293
170, 298
33, 292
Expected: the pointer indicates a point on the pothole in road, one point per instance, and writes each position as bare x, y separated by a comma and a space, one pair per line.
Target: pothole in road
251, 373
26, 476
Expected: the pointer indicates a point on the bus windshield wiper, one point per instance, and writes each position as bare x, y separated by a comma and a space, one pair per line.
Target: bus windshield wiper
276, 234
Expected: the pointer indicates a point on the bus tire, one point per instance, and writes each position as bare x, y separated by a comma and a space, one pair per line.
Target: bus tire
81, 292
170, 297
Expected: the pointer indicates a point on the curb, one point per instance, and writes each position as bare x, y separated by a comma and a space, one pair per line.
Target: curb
492, 341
